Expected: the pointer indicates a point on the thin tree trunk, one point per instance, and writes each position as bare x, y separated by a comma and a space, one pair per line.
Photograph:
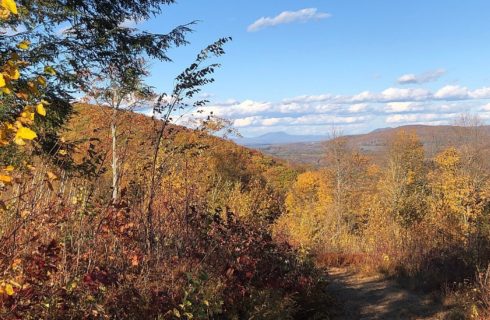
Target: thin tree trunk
115, 173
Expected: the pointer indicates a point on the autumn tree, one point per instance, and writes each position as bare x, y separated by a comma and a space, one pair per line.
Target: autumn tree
305, 223
404, 182
182, 98
457, 201
347, 172
472, 139
120, 88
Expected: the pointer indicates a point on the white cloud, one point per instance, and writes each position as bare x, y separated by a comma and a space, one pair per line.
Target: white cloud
402, 118
359, 107
128, 23
271, 121
233, 108
290, 108
485, 107
307, 99
425, 77
426, 118
366, 109
364, 96
285, 17
326, 119
245, 122
397, 107
452, 92
481, 93
390, 100
397, 94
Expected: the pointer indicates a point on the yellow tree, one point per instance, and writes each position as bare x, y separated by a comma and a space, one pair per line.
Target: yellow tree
404, 182
456, 201
304, 223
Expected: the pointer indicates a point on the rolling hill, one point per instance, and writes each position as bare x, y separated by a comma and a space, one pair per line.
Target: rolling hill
434, 138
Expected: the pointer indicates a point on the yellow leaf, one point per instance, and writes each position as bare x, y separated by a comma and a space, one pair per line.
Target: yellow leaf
24, 214
26, 117
6, 90
49, 70
25, 133
41, 80
4, 14
15, 74
5, 179
19, 141
24, 45
9, 168
40, 109
2, 81
62, 152
51, 176
9, 5
9, 289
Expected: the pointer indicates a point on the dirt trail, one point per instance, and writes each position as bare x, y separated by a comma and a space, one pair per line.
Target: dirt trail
375, 297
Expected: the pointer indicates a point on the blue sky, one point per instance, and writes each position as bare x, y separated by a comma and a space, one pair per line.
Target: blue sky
303, 66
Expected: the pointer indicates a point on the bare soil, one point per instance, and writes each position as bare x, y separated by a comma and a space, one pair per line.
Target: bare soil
377, 297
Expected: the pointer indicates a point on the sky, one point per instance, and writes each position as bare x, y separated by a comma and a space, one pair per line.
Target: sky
305, 66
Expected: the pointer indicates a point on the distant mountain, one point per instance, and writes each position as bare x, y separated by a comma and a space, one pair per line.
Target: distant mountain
381, 129
277, 138
434, 138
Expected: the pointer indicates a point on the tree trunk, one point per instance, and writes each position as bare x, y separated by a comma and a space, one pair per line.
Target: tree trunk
115, 173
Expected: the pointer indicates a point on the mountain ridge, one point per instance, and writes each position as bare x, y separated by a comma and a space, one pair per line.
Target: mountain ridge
434, 139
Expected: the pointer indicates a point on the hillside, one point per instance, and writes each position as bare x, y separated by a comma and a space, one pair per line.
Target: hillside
90, 126
434, 139
197, 242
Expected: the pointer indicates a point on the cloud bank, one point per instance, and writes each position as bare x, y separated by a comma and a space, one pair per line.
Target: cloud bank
359, 112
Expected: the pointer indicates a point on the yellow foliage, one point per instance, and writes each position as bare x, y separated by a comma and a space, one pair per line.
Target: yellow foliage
50, 70
309, 187
15, 75
305, 222
40, 109
455, 200
24, 133
448, 158
5, 178
24, 45
9, 5
9, 289
51, 176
